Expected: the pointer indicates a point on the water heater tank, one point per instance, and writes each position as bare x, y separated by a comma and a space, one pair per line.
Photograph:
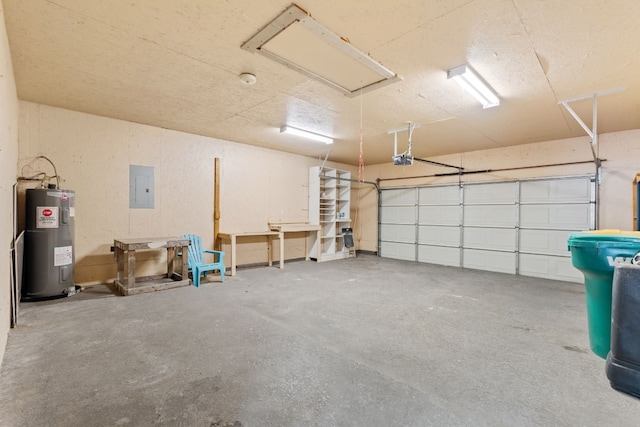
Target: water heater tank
48, 244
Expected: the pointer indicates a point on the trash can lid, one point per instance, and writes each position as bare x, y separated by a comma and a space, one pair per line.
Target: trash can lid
604, 237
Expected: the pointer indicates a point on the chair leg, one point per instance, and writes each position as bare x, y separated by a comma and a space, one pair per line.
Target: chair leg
222, 274
196, 277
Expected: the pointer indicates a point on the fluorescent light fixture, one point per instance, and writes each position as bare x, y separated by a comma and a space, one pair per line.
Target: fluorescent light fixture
306, 134
472, 83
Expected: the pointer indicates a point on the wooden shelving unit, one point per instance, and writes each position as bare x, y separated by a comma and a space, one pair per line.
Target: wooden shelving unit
329, 207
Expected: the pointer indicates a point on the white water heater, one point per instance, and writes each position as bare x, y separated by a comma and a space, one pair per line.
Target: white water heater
48, 244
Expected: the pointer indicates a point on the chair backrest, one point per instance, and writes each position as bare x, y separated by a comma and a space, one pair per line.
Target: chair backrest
195, 249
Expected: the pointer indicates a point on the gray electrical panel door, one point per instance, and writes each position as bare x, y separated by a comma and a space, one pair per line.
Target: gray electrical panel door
141, 187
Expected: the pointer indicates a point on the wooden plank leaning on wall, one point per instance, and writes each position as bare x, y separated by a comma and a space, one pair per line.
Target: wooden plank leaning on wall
216, 203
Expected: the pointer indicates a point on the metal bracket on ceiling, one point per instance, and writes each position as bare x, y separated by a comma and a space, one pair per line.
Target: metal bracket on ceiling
593, 132
325, 160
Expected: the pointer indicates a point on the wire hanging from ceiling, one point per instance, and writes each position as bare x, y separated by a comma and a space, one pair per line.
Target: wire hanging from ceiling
356, 228
361, 155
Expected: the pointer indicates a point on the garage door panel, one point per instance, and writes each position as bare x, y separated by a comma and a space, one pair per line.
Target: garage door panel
490, 238
439, 255
491, 215
398, 215
550, 242
401, 197
398, 233
503, 262
445, 195
556, 191
549, 267
508, 227
447, 236
502, 192
398, 251
564, 217
439, 215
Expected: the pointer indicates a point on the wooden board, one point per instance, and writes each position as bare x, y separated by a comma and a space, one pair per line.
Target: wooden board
150, 285
293, 227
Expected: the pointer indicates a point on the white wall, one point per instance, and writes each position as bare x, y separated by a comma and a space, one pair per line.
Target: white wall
620, 150
8, 160
92, 155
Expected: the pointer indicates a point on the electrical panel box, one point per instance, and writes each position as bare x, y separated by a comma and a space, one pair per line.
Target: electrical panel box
141, 187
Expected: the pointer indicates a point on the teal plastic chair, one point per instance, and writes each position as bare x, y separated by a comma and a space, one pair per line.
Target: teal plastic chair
197, 265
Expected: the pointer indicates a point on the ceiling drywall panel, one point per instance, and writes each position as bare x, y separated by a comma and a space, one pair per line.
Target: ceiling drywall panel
175, 64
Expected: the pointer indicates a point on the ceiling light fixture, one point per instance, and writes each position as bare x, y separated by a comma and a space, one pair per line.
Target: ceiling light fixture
472, 83
306, 134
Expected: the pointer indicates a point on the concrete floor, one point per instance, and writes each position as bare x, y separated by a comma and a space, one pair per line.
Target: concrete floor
357, 342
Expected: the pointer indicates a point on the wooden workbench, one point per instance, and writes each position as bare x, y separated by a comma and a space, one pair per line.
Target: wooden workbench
233, 238
276, 229
127, 248
298, 228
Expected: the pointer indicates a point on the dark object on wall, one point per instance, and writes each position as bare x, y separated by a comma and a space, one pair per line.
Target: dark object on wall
623, 361
48, 245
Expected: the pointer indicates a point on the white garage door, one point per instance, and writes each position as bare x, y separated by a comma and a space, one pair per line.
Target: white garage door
398, 224
549, 211
489, 237
439, 215
518, 227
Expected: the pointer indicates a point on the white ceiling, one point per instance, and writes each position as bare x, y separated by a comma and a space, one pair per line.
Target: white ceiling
175, 64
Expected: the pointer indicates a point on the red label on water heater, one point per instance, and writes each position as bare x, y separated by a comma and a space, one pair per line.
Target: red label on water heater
46, 217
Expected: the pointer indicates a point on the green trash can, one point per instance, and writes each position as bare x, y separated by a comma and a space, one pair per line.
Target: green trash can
596, 254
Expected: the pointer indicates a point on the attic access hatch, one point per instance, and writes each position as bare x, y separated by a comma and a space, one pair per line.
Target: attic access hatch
301, 43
